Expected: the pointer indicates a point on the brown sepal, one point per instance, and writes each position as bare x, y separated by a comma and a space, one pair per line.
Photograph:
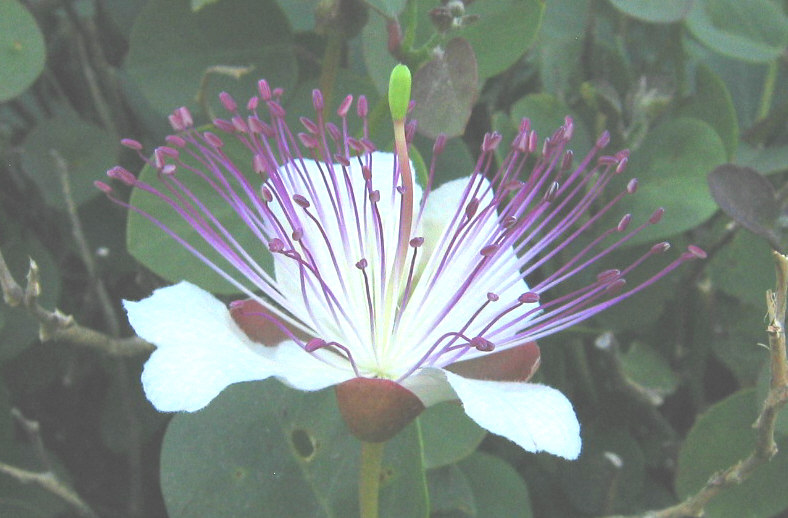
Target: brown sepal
248, 314
516, 364
375, 410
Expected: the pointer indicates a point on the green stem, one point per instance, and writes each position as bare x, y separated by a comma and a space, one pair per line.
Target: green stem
369, 478
330, 65
768, 90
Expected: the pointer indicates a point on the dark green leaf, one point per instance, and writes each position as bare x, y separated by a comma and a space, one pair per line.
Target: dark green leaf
547, 113
445, 90
768, 160
22, 50
665, 11
498, 489
713, 105
450, 493
749, 30
300, 13
649, 371
743, 268
87, 149
721, 437
265, 450
172, 48
448, 434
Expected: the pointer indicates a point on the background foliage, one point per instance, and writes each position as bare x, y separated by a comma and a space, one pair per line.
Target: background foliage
666, 385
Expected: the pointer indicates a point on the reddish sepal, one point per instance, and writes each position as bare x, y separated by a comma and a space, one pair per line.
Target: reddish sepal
516, 364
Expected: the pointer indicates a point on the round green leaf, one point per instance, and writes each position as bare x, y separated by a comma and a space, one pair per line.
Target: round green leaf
560, 44
649, 370
300, 13
172, 48
87, 149
22, 49
744, 268
713, 105
445, 90
160, 253
749, 30
450, 493
261, 449
721, 437
671, 168
664, 11
498, 490
449, 435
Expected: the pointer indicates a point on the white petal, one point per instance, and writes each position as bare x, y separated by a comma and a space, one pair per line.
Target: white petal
536, 417
303, 371
200, 349
430, 386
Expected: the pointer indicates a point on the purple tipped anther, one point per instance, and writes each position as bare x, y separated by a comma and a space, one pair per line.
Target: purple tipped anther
369, 146
301, 201
656, 216
410, 130
616, 286
624, 223
169, 169
317, 100
264, 89
533, 142
251, 104
258, 164
240, 124
224, 125
529, 297
416, 242
660, 248
362, 108
366, 173
697, 251
175, 140
103, 187
168, 151
566, 161
472, 207
546, 146
307, 140
131, 144
490, 141
551, 193
608, 276
344, 106
278, 92
622, 165
314, 344
276, 245
509, 222
341, 160
489, 250
632, 186
255, 125
606, 160
122, 175
159, 158
276, 109
482, 344
569, 128
228, 102
297, 235
265, 193
213, 140
333, 131
439, 145
355, 145
362, 264
520, 142
492, 297
603, 140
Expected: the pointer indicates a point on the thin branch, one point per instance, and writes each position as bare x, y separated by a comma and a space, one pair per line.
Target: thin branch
55, 325
776, 399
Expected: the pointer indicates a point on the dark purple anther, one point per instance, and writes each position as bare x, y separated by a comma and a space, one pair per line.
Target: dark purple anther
697, 251
131, 144
482, 344
533, 142
355, 144
361, 264
366, 173
624, 223
490, 141
276, 245
333, 131
264, 89
603, 140
224, 125
439, 145
622, 165
307, 140
552, 191
509, 222
314, 344
344, 106
520, 142
228, 102
317, 100
175, 140
121, 174
528, 297
301, 201
632, 186
213, 140
297, 235
265, 192
489, 250
341, 160
416, 242
471, 208
608, 276
103, 187
374, 196
569, 128
410, 130
660, 248
566, 161
255, 125
251, 105
492, 297
656, 216
276, 109
362, 108
240, 124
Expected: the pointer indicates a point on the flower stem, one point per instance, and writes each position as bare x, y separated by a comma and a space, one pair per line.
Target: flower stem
369, 479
